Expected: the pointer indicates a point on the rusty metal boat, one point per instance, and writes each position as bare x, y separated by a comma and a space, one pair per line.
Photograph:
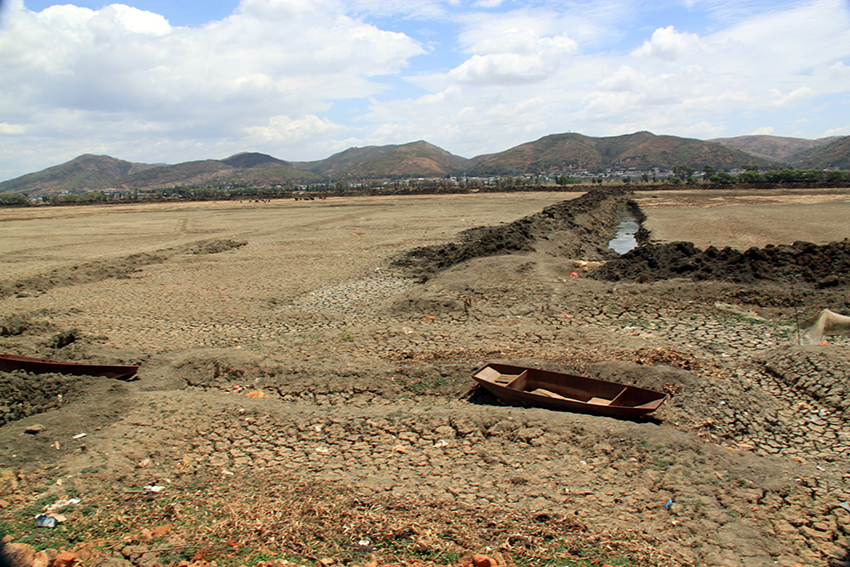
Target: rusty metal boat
532, 387
41, 366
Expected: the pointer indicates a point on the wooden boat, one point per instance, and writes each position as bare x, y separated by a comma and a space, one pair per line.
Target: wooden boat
532, 387
41, 365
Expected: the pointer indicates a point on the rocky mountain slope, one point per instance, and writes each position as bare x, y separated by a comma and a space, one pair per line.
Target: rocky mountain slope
642, 150
554, 154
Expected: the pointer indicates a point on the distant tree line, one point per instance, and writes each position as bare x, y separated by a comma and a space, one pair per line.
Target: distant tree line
681, 174
752, 175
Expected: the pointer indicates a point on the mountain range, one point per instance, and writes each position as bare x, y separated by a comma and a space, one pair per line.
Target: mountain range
554, 155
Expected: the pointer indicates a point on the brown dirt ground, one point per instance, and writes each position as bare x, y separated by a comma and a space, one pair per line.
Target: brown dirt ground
363, 428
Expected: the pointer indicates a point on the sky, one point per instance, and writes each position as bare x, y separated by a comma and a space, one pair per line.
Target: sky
168, 81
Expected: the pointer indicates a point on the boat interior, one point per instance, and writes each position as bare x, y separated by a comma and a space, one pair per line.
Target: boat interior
578, 389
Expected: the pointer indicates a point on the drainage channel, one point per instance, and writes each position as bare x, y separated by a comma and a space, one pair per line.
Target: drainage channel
625, 238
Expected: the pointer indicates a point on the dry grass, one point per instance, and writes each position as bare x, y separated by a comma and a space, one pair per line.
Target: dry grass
258, 518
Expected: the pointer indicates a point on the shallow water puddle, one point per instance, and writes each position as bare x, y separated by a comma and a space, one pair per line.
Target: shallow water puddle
625, 239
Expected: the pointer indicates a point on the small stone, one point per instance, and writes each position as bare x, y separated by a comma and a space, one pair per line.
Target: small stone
161, 530
34, 429
44, 558
19, 554
829, 281
483, 561
65, 559
8, 482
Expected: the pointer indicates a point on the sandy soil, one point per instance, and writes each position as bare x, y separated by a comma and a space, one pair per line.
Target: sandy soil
358, 368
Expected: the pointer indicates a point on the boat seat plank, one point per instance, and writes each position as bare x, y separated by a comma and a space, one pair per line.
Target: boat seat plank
490, 374
519, 382
616, 399
599, 402
506, 379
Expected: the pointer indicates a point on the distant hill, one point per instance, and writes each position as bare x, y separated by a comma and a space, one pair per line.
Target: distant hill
255, 160
416, 159
832, 154
239, 169
80, 175
642, 151
96, 173
554, 154
774, 148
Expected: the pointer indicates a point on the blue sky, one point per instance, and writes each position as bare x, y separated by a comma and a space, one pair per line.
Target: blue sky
170, 81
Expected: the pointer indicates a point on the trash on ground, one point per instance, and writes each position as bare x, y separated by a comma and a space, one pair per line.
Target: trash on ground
45, 521
59, 504
825, 323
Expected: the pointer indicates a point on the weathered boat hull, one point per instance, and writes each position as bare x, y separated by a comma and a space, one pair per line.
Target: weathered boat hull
41, 366
532, 387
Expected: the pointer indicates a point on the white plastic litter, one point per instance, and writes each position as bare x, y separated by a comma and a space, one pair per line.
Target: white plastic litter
825, 323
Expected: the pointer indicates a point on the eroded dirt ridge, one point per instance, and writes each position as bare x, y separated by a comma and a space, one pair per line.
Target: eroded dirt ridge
101, 270
795, 264
579, 228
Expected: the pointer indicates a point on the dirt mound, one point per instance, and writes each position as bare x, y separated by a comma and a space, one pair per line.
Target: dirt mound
117, 268
824, 266
322, 385
75, 275
214, 246
19, 324
579, 228
27, 394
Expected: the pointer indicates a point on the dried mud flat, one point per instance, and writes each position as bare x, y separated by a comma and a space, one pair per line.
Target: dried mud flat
305, 371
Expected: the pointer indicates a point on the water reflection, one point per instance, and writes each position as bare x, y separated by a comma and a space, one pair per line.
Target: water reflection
625, 238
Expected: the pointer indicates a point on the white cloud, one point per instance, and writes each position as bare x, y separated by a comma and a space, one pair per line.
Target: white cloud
301, 79
516, 56
289, 132
500, 69
794, 98
624, 79
11, 129
133, 20
669, 44
525, 42
118, 73
765, 131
